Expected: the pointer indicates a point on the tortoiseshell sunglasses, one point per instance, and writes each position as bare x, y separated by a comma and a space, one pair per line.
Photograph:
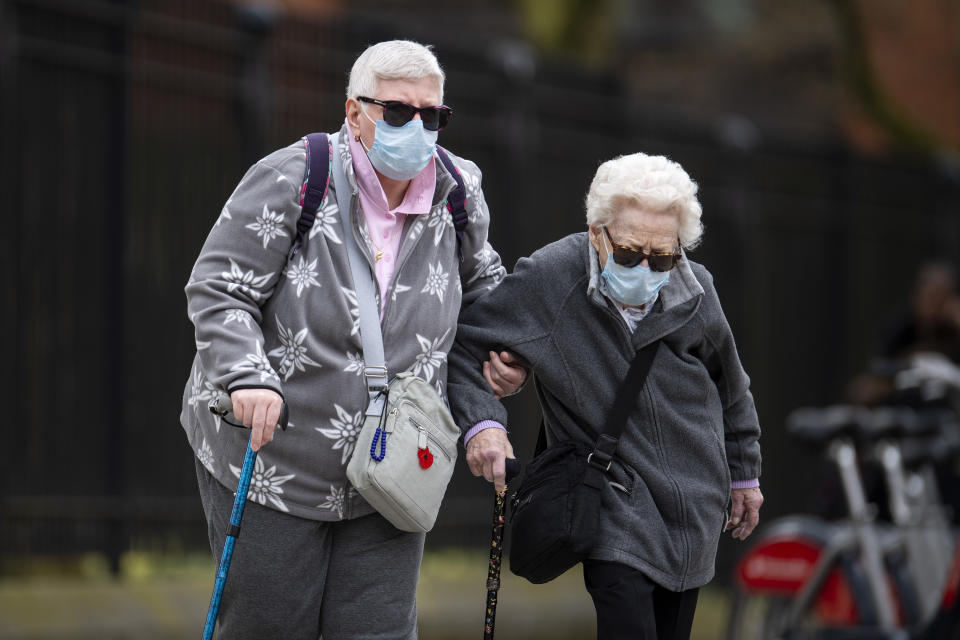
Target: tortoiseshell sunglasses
631, 256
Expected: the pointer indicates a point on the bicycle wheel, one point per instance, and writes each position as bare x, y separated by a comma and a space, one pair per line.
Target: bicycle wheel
756, 617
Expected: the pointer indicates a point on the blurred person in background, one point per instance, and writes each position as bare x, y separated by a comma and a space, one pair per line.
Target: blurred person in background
575, 313
315, 558
932, 323
929, 326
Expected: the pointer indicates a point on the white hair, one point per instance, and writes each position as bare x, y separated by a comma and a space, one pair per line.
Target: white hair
392, 60
654, 183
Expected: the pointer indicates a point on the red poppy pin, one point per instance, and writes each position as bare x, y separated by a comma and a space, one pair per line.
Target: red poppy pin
426, 458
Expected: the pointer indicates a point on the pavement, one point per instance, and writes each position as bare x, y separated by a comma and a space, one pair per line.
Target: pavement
167, 597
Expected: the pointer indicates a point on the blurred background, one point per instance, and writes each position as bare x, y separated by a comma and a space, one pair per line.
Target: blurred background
824, 135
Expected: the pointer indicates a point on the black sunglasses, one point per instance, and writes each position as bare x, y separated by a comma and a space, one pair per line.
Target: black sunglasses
631, 257
397, 114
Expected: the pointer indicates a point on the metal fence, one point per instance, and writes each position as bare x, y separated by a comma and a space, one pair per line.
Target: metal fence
125, 125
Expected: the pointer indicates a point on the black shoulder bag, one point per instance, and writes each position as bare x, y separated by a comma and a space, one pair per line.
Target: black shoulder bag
556, 508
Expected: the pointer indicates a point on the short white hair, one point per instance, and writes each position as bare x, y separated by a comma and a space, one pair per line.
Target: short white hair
392, 60
654, 183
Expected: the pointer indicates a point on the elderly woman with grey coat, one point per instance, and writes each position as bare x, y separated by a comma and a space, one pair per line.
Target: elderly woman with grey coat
275, 326
576, 312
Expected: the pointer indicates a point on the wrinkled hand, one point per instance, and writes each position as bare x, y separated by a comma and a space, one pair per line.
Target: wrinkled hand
258, 409
486, 453
504, 373
744, 511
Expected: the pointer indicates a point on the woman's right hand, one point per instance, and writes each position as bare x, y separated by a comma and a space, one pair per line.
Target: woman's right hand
258, 409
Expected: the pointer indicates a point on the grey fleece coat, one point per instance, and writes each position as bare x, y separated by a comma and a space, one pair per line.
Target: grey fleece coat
291, 325
695, 427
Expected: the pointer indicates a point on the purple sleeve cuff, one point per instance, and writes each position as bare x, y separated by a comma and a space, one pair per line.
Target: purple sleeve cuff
480, 426
745, 484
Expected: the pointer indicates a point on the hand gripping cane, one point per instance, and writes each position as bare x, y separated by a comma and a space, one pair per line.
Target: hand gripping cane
496, 552
221, 406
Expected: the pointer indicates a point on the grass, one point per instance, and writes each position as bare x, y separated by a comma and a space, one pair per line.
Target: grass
166, 596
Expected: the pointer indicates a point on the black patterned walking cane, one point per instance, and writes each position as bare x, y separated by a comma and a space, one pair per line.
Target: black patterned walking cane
496, 552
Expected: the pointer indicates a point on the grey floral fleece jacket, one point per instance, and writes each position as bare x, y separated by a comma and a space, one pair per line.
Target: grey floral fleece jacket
292, 326
695, 426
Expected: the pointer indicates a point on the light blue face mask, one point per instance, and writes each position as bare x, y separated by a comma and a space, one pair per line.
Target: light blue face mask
400, 153
633, 286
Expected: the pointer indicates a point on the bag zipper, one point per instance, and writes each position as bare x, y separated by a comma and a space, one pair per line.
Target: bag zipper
424, 436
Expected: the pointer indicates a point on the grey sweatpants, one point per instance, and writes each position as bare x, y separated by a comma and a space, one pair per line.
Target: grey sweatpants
294, 578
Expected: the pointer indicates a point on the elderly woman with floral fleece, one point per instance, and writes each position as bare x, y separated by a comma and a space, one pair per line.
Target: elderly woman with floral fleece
576, 312
314, 557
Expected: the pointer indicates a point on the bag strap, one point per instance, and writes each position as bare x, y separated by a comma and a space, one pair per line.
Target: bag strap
626, 400
371, 336
374, 368
316, 181
456, 200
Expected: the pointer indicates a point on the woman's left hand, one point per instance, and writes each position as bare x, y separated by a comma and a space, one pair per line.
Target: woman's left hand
744, 511
504, 373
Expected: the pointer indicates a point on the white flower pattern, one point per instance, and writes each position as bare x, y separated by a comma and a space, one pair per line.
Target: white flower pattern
327, 220
258, 363
345, 430
201, 391
269, 225
436, 282
205, 456
265, 484
304, 275
240, 316
439, 221
398, 288
335, 500
293, 354
247, 281
471, 183
354, 363
431, 356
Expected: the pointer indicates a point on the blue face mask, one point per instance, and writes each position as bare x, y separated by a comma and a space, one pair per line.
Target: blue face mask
400, 153
632, 286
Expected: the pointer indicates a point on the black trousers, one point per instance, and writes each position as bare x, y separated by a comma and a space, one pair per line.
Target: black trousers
630, 605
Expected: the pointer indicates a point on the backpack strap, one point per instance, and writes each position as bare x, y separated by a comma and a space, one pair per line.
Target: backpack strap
457, 200
316, 180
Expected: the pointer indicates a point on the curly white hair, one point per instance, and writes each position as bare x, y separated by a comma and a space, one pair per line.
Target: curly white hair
655, 183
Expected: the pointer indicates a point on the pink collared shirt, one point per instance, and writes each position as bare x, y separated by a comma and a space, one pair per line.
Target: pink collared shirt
385, 225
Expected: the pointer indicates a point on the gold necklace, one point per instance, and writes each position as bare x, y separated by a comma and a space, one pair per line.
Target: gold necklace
379, 254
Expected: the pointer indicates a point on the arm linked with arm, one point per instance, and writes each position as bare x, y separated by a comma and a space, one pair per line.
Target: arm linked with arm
508, 318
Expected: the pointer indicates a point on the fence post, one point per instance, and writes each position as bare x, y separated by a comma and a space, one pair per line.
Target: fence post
10, 186
255, 101
115, 389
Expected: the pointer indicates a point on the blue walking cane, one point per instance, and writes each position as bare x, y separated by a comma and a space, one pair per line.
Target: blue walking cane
221, 406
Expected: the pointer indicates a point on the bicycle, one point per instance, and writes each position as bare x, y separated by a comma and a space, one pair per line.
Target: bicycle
804, 577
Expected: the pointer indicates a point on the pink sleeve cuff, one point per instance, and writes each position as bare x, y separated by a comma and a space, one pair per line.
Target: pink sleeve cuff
480, 426
745, 484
